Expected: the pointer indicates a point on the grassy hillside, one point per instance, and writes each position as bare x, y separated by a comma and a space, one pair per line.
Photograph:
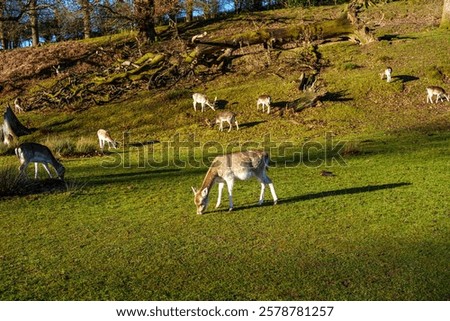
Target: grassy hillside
124, 227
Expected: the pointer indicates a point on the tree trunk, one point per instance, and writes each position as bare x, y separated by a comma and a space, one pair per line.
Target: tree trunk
86, 11
189, 10
277, 37
12, 127
144, 16
445, 22
34, 23
3, 42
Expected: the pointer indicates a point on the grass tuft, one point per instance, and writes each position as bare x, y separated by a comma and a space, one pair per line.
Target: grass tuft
12, 183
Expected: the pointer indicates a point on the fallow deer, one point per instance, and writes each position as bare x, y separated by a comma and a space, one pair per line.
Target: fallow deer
203, 100
229, 117
439, 92
37, 153
17, 105
264, 100
388, 73
104, 136
226, 168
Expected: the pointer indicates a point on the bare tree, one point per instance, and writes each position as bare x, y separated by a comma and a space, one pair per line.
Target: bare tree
86, 12
189, 6
12, 127
144, 12
34, 23
2, 26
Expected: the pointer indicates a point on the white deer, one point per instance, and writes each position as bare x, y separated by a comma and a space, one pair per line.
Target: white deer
387, 73
264, 100
226, 168
203, 100
104, 136
17, 107
229, 117
37, 153
438, 91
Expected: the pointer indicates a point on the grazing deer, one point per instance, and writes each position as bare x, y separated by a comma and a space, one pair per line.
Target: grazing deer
203, 100
104, 136
438, 91
387, 73
17, 107
37, 153
229, 117
264, 100
226, 168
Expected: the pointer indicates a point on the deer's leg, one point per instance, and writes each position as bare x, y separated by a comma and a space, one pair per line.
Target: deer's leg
229, 123
35, 170
268, 108
261, 195
195, 106
219, 198
272, 191
47, 169
230, 194
237, 125
267, 181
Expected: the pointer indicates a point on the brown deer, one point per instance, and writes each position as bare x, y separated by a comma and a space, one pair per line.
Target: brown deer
203, 100
37, 153
104, 136
226, 168
439, 92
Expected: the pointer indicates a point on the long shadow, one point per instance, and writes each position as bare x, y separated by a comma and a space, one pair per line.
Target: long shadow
128, 176
221, 103
280, 104
405, 78
345, 191
336, 96
394, 37
144, 143
251, 124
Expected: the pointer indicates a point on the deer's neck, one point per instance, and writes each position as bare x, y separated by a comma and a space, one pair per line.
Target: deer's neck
210, 178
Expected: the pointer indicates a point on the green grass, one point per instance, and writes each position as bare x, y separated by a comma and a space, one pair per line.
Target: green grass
377, 230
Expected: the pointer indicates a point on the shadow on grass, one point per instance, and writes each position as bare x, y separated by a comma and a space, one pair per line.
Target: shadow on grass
144, 143
336, 96
394, 37
221, 104
24, 186
345, 191
405, 78
128, 176
251, 124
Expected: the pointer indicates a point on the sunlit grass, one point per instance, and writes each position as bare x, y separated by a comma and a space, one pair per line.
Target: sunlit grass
124, 226
377, 230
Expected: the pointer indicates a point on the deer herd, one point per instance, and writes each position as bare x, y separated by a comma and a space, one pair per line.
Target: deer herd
223, 170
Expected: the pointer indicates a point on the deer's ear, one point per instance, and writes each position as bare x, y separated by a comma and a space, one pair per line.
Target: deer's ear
205, 192
194, 190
